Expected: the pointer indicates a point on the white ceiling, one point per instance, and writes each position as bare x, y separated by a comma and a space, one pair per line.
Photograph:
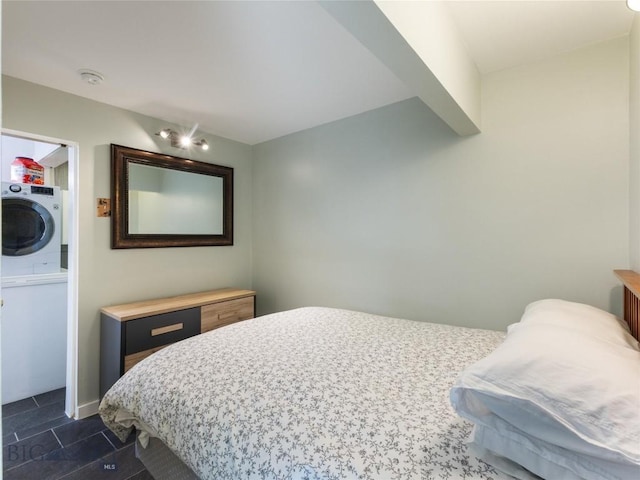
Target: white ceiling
253, 71
503, 34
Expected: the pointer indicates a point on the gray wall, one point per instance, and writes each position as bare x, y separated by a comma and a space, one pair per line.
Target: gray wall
390, 212
106, 276
634, 154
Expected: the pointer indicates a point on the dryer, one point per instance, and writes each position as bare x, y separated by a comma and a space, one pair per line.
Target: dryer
31, 224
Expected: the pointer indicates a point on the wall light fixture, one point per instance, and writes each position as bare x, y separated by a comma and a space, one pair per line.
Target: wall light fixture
179, 140
634, 5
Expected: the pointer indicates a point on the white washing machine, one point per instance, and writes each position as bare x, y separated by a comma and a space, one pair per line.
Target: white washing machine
31, 216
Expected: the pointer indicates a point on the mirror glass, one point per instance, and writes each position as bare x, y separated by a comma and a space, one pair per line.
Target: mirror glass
165, 201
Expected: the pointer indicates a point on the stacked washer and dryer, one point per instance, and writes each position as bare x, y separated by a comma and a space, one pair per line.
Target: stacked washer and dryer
34, 290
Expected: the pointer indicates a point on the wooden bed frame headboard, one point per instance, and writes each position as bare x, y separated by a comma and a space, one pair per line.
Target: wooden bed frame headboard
631, 281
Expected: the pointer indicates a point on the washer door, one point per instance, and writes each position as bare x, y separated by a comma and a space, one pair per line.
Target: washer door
26, 227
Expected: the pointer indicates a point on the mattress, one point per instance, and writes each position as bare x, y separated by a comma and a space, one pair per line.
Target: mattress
311, 393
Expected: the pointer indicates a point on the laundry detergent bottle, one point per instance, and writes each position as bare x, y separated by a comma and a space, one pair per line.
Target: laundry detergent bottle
27, 170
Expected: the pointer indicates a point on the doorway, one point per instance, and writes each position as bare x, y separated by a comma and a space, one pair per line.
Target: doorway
39, 267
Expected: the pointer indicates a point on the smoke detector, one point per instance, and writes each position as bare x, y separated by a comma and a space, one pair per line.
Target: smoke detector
91, 77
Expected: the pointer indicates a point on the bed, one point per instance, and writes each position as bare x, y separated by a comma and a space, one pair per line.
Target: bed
315, 393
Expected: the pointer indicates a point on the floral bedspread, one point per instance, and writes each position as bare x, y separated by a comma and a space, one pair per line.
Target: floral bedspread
309, 394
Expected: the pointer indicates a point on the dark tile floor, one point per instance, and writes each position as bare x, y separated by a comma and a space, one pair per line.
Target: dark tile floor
41, 442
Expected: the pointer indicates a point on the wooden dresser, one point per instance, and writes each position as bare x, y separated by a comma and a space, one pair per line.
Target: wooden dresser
133, 331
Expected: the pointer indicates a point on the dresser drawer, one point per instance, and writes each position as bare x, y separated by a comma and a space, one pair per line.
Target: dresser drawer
131, 360
158, 330
224, 313
131, 332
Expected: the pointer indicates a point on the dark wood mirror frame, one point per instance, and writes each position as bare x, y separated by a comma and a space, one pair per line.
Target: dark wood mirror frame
121, 158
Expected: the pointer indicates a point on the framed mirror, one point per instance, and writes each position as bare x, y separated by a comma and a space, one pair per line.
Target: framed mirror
164, 201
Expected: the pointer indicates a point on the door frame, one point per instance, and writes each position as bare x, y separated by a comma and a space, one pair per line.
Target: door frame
71, 400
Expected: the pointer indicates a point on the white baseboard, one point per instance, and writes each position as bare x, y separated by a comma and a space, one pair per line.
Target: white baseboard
87, 409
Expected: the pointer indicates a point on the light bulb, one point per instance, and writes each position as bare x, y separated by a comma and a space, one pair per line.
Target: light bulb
165, 133
634, 5
185, 141
204, 145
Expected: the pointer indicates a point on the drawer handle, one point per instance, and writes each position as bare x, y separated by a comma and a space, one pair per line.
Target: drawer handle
167, 329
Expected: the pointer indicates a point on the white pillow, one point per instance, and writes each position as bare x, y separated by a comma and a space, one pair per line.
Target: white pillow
572, 386
509, 450
581, 318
